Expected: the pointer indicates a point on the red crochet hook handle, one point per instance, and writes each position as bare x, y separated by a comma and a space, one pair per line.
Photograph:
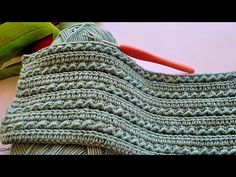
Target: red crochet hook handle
146, 56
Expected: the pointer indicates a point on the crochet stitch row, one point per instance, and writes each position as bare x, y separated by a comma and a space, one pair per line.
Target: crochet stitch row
89, 94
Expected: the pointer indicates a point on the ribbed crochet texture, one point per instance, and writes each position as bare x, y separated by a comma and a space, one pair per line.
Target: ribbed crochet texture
80, 96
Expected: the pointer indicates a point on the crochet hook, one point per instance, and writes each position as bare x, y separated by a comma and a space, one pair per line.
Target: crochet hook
146, 56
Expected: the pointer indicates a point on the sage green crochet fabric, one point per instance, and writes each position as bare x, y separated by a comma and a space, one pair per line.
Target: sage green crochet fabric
81, 96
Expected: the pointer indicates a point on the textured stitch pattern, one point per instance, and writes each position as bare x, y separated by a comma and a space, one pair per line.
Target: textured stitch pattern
87, 97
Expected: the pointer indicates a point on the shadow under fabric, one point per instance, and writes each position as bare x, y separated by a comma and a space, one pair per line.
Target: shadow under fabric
81, 96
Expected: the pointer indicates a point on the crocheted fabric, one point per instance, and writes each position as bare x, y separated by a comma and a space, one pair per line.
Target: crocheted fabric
84, 95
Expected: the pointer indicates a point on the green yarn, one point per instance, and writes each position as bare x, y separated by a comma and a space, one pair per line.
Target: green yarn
80, 96
63, 25
51, 149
